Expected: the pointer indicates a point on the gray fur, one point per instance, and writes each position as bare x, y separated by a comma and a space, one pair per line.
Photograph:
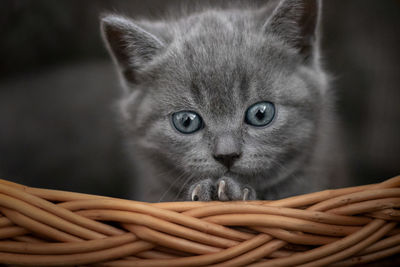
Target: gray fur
218, 63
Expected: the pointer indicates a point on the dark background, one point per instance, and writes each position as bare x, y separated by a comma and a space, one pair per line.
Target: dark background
58, 127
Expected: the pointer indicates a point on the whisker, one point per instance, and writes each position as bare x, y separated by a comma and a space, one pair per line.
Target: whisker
190, 178
179, 178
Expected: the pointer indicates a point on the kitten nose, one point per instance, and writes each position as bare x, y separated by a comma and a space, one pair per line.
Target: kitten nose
226, 149
227, 159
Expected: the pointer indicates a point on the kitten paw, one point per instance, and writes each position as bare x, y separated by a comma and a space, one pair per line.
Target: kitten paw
224, 189
201, 191
229, 189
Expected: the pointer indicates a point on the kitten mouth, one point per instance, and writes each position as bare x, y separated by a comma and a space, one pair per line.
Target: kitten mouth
229, 173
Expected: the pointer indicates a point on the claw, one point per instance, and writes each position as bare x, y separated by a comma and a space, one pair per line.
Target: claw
245, 194
195, 192
221, 188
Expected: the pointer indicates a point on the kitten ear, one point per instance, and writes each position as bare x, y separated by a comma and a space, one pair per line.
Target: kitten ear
130, 46
296, 23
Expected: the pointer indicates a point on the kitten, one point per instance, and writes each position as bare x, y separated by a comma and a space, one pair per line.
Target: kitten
227, 104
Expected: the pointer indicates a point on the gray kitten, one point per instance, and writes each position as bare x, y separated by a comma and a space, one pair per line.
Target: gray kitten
227, 104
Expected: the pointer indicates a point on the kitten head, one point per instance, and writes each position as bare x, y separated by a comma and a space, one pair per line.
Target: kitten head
218, 91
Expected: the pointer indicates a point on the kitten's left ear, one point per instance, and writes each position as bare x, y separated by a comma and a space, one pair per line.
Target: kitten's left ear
131, 46
296, 23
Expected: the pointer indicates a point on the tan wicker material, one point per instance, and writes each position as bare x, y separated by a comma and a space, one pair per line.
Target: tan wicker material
341, 227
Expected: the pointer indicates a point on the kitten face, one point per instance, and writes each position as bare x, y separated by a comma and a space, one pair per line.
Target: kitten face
218, 64
219, 75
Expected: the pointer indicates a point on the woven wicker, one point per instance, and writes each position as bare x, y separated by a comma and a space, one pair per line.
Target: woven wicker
340, 227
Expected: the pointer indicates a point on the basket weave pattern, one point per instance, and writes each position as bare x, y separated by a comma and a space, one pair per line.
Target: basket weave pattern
340, 227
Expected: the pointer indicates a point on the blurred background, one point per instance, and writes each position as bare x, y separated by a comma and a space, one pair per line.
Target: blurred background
58, 126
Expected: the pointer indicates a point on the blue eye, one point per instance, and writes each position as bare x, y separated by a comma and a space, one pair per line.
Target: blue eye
260, 114
187, 122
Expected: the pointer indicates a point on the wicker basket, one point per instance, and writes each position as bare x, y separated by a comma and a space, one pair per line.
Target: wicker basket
340, 227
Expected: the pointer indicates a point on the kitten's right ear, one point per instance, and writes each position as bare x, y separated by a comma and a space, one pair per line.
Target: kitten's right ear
296, 22
130, 46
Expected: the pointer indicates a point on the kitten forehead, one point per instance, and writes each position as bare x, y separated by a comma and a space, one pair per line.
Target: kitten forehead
216, 62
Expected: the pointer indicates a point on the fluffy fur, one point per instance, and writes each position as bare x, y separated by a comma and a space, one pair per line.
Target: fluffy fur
218, 62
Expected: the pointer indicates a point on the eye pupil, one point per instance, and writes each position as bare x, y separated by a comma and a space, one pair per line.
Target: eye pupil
186, 122
260, 114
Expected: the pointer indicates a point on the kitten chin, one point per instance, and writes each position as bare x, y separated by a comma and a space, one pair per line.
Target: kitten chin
227, 103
